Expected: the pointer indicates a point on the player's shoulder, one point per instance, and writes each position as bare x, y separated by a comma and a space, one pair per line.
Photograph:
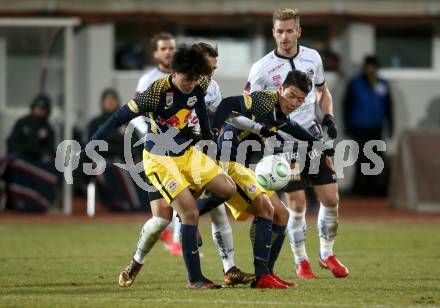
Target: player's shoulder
264, 61
309, 52
203, 82
160, 85
263, 101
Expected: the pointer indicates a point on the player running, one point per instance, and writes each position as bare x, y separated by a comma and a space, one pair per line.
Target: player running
171, 163
162, 212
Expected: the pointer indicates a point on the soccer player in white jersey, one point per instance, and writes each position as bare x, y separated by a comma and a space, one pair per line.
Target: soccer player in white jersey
268, 74
162, 212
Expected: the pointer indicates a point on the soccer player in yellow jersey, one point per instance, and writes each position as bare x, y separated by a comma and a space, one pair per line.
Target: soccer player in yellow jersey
171, 163
270, 110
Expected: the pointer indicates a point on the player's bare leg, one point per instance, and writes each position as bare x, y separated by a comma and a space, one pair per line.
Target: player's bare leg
150, 233
297, 231
327, 228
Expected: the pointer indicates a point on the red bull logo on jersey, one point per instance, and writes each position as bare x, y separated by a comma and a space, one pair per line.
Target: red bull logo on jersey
179, 120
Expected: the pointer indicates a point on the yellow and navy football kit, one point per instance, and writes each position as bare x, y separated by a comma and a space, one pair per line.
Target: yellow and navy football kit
170, 161
263, 107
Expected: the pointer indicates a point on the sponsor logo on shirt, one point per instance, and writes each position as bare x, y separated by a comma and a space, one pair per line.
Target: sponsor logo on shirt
277, 80
172, 185
251, 188
275, 68
191, 101
306, 60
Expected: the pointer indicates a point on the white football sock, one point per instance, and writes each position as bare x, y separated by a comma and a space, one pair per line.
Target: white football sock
149, 236
176, 228
327, 229
296, 230
222, 236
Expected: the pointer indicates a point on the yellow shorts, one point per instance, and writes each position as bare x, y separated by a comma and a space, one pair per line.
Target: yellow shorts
170, 175
247, 189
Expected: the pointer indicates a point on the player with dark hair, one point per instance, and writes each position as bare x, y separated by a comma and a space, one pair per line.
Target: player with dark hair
270, 109
162, 213
267, 74
171, 163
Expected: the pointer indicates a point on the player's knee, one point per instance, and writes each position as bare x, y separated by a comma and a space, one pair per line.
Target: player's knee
263, 207
155, 225
297, 202
331, 200
190, 216
281, 216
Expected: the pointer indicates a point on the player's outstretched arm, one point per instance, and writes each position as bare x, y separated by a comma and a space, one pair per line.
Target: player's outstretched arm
121, 116
297, 131
226, 107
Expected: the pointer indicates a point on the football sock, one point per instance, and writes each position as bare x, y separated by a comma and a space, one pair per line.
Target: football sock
296, 230
176, 228
191, 251
261, 236
208, 202
327, 229
149, 236
222, 236
278, 235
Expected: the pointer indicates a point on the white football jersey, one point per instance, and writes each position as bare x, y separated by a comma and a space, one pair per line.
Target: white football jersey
269, 72
148, 78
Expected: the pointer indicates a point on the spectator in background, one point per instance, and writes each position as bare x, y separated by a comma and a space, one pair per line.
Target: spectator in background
32, 137
367, 115
116, 190
28, 172
109, 103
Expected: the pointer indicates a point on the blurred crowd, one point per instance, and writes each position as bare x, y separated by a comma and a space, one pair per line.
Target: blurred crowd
367, 106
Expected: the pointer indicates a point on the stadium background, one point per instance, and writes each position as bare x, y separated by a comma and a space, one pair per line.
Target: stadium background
109, 43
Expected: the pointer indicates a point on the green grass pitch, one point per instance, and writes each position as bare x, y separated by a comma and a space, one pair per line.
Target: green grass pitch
77, 265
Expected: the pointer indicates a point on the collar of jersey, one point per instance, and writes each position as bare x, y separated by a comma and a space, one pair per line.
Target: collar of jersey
287, 58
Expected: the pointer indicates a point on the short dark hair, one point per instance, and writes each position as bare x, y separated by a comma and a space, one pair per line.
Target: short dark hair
209, 49
371, 59
190, 61
298, 79
162, 36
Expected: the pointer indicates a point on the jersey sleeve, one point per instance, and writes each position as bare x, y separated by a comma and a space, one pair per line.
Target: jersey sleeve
204, 84
319, 77
215, 96
148, 101
261, 102
256, 80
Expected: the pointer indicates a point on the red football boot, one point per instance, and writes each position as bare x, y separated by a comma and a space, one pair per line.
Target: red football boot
166, 236
267, 281
176, 249
304, 271
279, 279
338, 269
